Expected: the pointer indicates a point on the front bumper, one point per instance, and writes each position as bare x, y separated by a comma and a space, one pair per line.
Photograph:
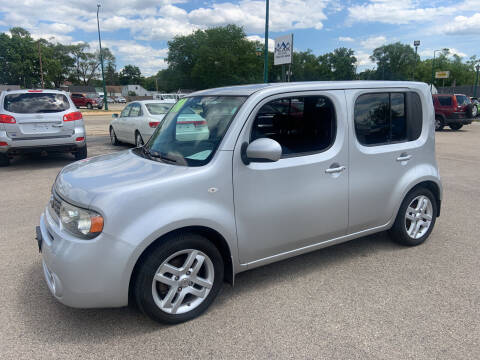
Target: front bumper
83, 273
49, 144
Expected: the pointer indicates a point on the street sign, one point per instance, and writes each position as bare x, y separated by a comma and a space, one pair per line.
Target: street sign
442, 74
283, 50
416, 43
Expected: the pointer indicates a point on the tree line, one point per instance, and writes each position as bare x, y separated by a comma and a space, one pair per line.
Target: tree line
219, 56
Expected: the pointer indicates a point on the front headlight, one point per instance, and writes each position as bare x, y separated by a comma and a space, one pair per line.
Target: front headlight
80, 222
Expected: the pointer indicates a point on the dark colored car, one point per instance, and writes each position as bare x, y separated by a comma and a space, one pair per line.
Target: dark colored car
87, 100
454, 110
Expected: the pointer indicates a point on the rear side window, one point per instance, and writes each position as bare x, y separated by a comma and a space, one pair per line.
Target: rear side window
462, 100
445, 100
301, 125
383, 118
33, 103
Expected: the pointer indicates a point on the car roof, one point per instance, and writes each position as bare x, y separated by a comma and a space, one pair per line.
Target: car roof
247, 90
166, 101
26, 91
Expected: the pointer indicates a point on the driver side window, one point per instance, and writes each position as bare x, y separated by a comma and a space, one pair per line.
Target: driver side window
125, 111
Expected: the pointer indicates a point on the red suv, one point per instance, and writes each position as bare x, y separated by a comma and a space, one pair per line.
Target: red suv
453, 110
87, 100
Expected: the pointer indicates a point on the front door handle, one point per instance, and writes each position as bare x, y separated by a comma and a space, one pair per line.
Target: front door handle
404, 157
333, 170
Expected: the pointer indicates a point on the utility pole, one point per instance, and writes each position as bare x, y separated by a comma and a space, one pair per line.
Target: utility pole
265, 64
101, 61
433, 65
416, 43
477, 67
41, 67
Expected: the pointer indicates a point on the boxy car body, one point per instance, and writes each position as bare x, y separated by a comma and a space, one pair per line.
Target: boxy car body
344, 176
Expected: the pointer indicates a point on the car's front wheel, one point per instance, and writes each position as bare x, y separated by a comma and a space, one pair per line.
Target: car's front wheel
179, 279
416, 218
113, 137
89, 106
439, 123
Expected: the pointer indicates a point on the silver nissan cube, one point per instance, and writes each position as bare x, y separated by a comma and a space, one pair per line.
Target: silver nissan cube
287, 169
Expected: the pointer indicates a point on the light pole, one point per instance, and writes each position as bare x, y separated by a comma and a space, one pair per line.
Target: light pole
433, 65
416, 43
101, 61
477, 67
265, 64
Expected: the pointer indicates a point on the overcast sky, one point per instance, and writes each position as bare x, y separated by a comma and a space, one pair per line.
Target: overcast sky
137, 31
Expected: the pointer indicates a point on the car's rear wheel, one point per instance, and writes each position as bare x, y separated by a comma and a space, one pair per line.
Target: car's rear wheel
113, 137
439, 123
455, 126
179, 279
416, 218
89, 106
4, 160
81, 153
138, 139
471, 111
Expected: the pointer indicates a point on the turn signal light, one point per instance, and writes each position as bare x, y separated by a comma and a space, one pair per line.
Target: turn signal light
3, 143
153, 124
7, 119
96, 224
77, 115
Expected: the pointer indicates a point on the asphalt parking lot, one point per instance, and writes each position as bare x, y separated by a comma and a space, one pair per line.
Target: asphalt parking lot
365, 299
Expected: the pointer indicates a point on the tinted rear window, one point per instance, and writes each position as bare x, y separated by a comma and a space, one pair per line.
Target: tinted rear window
158, 109
445, 100
33, 103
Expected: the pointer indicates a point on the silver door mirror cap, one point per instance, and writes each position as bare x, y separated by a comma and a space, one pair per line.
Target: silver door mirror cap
263, 150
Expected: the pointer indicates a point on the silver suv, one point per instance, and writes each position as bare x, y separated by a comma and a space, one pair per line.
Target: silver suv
286, 169
39, 120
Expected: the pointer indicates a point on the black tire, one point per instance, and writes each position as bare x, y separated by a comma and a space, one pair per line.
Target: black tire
471, 111
4, 160
143, 289
81, 153
113, 137
89, 106
398, 232
455, 126
439, 124
99, 107
138, 139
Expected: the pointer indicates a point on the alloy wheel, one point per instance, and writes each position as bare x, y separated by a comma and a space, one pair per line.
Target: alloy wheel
183, 281
418, 216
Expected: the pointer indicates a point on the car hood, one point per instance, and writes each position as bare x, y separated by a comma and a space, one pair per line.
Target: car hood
83, 180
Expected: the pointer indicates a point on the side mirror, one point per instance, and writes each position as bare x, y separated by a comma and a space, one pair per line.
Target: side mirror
261, 150
114, 116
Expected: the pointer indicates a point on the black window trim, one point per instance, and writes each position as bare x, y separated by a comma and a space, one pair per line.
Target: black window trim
306, 93
389, 91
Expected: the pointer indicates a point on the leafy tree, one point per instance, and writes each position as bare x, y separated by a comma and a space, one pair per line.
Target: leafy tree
342, 63
130, 75
394, 61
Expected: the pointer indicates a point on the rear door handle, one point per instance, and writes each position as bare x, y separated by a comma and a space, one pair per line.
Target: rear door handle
335, 169
404, 157
57, 125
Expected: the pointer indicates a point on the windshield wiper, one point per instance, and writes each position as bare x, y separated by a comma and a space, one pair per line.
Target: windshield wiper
156, 155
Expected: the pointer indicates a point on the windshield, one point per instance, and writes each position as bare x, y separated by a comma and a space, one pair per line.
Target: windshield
32, 103
158, 109
191, 132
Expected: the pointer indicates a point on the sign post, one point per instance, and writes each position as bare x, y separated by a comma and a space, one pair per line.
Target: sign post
284, 53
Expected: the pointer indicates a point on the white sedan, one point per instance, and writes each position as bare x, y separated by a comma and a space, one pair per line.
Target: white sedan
138, 120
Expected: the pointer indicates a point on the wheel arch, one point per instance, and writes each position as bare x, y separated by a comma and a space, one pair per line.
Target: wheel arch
431, 185
212, 235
